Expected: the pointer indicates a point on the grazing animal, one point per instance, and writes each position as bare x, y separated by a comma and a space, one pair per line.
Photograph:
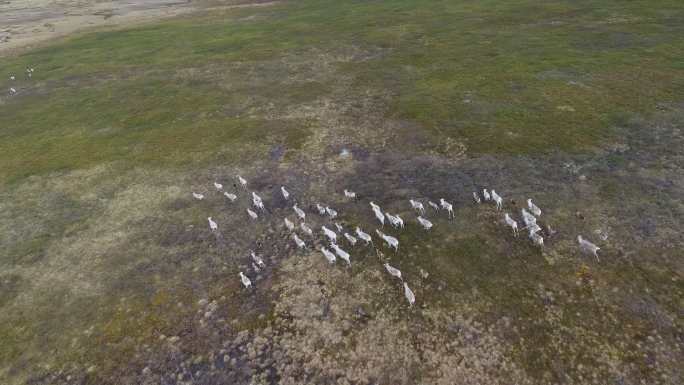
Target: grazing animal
12, 90
498, 200
447, 206
257, 259
410, 297
588, 247
486, 195
512, 223
300, 213
394, 272
331, 213
533, 208
533, 228
434, 205
427, 225
375, 207
338, 227
417, 206
252, 214
380, 216
298, 241
286, 194
306, 229
321, 209
218, 186
366, 237
289, 224
258, 203
394, 220
350, 238
242, 181
212, 225
197, 196
341, 253
231, 197
329, 233
476, 198
349, 194
391, 241
528, 218
328, 255
245, 281
537, 239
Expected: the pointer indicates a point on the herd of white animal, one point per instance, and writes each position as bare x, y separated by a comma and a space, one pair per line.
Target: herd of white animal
29, 75
335, 251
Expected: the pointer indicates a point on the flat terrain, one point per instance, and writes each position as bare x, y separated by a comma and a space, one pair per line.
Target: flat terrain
109, 273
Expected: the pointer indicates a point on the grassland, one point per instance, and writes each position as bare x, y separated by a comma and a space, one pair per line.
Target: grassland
579, 104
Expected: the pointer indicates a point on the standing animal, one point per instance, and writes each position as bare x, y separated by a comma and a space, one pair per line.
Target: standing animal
286, 194
341, 253
338, 227
476, 198
258, 202
321, 209
512, 223
391, 241
252, 214
245, 281
366, 237
375, 207
528, 218
289, 224
349, 194
537, 239
395, 220
300, 213
393, 271
331, 213
533, 208
257, 259
410, 297
486, 195
417, 206
306, 229
12, 90
212, 225
242, 181
447, 206
231, 197
588, 247
434, 205
329, 233
328, 255
427, 225
497, 199
197, 196
218, 186
350, 238
298, 241
380, 216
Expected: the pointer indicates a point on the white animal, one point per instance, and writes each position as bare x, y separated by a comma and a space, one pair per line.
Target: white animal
350, 238
410, 297
537, 239
255, 267
231, 197
393, 271
427, 225
528, 218
252, 214
497, 199
328, 255
329, 233
332, 213
417, 206
533, 228
12, 77
447, 206
375, 207
197, 196
320, 208
338, 227
12, 91
289, 224
588, 247
380, 216
476, 197
394, 221
300, 213
256, 200
486, 195
212, 225
366, 237
257, 259
391, 241
349, 194
245, 281
286, 194
298, 241
306, 229
218, 186
434, 205
242, 181
341, 253
512, 223
534, 208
